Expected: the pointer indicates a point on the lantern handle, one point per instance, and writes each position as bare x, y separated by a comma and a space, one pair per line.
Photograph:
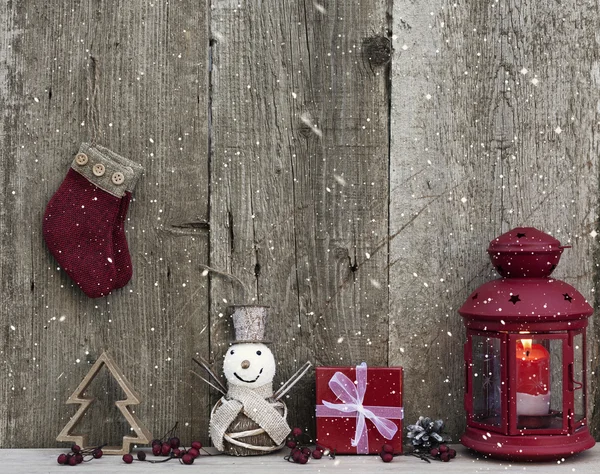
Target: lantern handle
573, 384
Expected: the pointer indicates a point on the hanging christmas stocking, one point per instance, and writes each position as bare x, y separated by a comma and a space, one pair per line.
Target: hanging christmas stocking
84, 220
122, 258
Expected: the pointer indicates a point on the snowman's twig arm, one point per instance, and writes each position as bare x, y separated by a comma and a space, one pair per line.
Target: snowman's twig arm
209, 383
202, 363
285, 388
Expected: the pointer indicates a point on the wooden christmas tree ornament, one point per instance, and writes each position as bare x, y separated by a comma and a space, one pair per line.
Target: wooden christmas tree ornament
132, 398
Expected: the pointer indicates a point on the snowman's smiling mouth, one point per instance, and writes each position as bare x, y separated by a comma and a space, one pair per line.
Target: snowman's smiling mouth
248, 381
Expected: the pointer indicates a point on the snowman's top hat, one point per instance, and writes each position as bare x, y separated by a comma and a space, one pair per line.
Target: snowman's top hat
249, 322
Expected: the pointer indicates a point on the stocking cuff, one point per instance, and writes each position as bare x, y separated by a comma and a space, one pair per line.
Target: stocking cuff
107, 170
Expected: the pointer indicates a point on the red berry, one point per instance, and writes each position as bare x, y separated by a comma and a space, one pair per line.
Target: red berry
387, 448
76, 448
62, 459
297, 432
141, 455
197, 445
165, 449
97, 453
302, 459
174, 442
79, 458
291, 444
317, 454
296, 455
127, 458
157, 449
156, 441
443, 448
72, 461
306, 451
177, 452
187, 459
434, 452
445, 457
452, 453
387, 457
193, 452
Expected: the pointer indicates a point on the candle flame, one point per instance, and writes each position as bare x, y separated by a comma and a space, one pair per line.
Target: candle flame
526, 344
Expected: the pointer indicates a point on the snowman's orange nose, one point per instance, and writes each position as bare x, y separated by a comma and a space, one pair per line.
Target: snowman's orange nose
245, 364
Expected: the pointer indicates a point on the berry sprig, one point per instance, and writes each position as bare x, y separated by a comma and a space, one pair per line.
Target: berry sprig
443, 453
387, 453
169, 446
300, 452
79, 455
171, 449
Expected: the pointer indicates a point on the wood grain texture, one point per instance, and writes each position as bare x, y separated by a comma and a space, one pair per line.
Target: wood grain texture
265, 131
149, 68
299, 180
494, 125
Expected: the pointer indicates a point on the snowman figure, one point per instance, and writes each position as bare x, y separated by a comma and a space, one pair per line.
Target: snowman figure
250, 419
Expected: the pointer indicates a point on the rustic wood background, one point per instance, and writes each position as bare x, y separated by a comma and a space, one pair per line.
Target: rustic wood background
347, 161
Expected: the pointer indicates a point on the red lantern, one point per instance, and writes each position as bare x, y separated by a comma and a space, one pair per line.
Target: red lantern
525, 355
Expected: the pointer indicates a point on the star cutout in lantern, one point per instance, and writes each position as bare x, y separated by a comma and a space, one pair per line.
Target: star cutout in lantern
474, 297
514, 298
520, 235
567, 297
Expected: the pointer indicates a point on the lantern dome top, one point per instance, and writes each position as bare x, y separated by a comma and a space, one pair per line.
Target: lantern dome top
526, 300
525, 252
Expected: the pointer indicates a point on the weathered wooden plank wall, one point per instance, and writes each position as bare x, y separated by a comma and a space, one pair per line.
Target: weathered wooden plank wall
494, 125
299, 179
269, 123
151, 68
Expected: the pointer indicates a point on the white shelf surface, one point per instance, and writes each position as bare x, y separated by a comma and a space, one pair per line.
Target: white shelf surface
16, 461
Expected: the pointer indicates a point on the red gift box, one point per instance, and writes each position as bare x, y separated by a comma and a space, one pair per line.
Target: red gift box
359, 409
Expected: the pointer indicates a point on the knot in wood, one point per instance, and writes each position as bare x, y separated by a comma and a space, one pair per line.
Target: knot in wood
341, 252
304, 130
378, 50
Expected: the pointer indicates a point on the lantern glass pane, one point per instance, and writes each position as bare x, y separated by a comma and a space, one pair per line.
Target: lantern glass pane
487, 383
578, 389
539, 369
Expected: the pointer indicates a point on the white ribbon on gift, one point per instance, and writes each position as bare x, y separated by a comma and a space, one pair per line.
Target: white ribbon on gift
352, 397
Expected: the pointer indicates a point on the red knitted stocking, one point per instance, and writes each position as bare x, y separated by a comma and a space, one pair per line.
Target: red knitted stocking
83, 217
122, 258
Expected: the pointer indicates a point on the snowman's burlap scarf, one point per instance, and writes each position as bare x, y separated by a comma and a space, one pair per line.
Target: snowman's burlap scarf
252, 402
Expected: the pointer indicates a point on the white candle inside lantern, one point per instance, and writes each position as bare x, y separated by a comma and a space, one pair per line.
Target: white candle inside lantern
533, 379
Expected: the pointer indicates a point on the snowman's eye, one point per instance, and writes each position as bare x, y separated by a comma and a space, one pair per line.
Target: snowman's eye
258, 353
231, 352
